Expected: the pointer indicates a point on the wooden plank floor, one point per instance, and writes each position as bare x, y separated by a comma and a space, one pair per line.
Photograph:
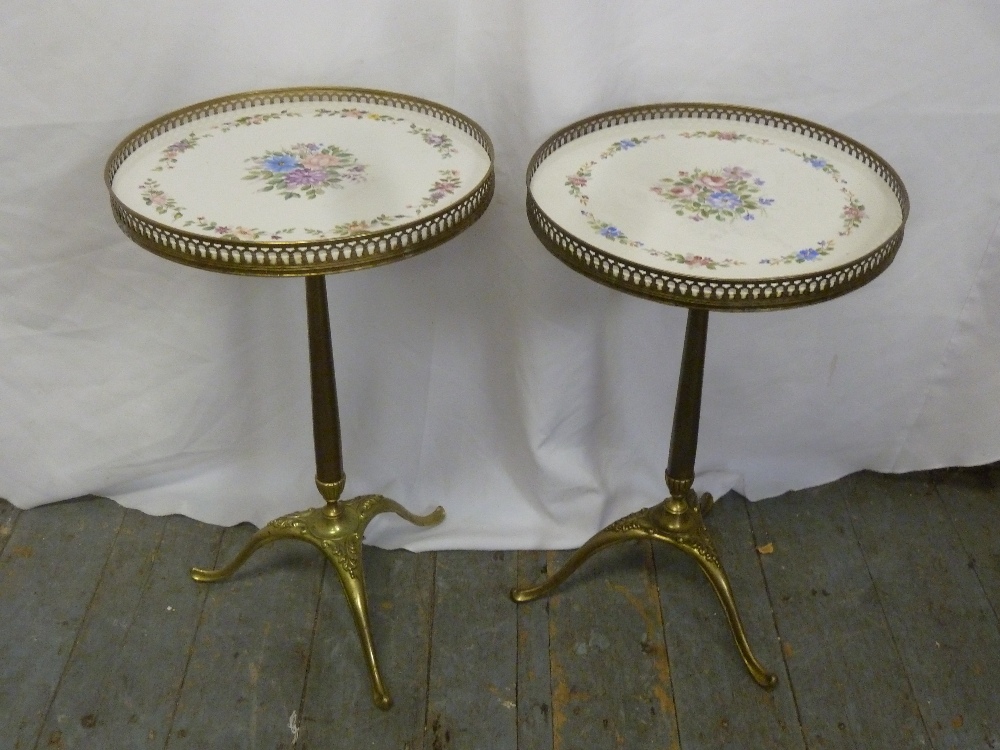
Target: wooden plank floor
875, 600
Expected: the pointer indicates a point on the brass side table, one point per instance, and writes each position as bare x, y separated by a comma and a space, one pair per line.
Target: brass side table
306, 182
709, 207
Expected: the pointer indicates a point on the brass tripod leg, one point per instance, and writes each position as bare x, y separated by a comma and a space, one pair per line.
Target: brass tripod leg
336, 530
678, 519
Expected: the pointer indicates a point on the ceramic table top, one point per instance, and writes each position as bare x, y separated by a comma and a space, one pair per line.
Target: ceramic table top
753, 210
301, 181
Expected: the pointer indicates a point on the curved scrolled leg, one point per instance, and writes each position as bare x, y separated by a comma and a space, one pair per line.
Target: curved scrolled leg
604, 538
346, 560
373, 505
720, 583
262, 538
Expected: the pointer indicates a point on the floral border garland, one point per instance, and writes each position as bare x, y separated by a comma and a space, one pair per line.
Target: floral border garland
853, 212
152, 193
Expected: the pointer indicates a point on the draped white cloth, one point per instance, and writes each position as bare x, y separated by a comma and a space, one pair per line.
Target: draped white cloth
532, 403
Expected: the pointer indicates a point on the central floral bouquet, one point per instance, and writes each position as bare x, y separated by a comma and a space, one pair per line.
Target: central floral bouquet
728, 194
305, 170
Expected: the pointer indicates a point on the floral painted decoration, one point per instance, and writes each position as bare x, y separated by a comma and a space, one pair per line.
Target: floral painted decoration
305, 169
725, 135
613, 233
153, 195
728, 194
239, 233
355, 114
438, 141
358, 226
447, 183
169, 156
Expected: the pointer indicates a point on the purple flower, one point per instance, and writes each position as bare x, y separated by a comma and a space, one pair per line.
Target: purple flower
280, 163
612, 233
723, 199
817, 162
305, 177
627, 143
748, 217
766, 201
808, 254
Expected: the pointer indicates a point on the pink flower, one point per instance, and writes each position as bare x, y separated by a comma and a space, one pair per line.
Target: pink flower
321, 161
713, 181
736, 173
576, 180
728, 136
697, 260
158, 199
680, 192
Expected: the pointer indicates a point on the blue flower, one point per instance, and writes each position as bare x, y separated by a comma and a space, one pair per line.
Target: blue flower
817, 162
612, 233
281, 163
766, 201
627, 144
758, 181
748, 217
723, 199
808, 254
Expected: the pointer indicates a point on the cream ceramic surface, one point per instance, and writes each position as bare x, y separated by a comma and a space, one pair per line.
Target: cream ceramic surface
301, 171
716, 199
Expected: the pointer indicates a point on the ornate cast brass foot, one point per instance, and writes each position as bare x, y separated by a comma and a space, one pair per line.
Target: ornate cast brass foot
336, 530
677, 522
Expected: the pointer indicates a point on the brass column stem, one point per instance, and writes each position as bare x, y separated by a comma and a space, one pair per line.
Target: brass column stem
687, 412
326, 412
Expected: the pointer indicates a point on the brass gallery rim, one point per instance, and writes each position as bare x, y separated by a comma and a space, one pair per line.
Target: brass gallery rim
300, 181
716, 206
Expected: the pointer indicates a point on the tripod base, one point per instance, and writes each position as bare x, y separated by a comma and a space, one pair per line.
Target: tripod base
336, 530
677, 522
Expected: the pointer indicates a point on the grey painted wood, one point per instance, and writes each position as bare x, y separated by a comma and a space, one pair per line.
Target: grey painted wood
534, 686
944, 626
867, 576
718, 703
128, 663
245, 679
8, 517
49, 569
843, 660
971, 499
610, 674
473, 671
338, 709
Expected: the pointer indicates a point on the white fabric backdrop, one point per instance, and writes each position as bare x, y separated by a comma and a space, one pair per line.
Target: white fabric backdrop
532, 403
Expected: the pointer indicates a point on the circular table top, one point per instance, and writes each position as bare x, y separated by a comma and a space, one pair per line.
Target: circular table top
294, 182
716, 206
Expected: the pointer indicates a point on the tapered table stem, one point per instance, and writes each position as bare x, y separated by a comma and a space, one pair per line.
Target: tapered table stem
677, 520
326, 412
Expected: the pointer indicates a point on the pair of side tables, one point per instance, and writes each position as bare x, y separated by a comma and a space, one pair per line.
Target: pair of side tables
705, 206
